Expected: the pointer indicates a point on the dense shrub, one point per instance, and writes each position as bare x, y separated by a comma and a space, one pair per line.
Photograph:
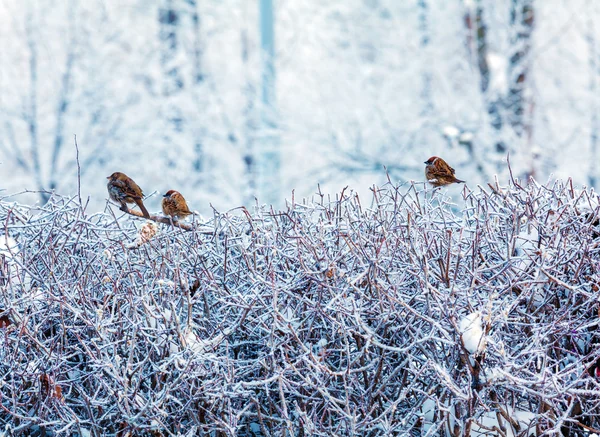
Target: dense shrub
331, 318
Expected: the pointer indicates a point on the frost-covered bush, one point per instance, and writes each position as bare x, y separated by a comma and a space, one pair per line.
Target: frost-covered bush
401, 314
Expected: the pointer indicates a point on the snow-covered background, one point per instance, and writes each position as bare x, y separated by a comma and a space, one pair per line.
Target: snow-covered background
171, 93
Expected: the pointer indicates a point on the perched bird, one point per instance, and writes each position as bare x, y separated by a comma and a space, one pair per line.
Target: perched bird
174, 205
439, 173
123, 190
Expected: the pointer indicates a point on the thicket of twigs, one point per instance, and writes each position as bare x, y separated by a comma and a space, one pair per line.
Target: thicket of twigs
335, 317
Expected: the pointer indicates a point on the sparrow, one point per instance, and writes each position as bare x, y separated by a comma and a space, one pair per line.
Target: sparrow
439, 173
123, 190
174, 204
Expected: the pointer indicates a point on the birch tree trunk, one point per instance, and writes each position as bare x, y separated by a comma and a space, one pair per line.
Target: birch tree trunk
268, 153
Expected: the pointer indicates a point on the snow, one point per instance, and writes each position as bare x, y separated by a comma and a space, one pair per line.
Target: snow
451, 131
10, 254
498, 65
192, 341
490, 419
472, 332
428, 408
466, 138
527, 246
483, 423
8, 246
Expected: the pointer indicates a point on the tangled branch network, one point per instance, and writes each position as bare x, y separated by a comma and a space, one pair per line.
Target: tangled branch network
400, 315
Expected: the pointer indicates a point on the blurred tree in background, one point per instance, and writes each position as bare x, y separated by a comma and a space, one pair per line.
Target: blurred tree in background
195, 96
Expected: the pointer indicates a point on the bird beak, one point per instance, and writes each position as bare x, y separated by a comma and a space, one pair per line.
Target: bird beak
426, 162
107, 177
165, 195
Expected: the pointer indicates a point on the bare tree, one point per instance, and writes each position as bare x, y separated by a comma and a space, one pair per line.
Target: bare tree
513, 106
268, 155
49, 101
250, 113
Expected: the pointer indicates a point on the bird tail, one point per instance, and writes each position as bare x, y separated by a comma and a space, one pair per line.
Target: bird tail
142, 207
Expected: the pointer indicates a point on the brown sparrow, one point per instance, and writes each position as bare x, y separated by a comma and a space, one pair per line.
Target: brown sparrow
439, 173
123, 190
174, 204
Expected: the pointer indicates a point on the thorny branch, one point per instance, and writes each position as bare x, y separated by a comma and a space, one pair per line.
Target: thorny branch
166, 220
328, 318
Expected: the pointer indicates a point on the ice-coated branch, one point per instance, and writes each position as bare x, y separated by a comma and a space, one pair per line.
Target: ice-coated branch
400, 314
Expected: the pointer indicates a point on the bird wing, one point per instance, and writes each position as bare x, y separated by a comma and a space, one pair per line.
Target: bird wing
129, 189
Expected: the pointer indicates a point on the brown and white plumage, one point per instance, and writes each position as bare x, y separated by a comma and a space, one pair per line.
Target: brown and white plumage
174, 205
439, 173
123, 190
